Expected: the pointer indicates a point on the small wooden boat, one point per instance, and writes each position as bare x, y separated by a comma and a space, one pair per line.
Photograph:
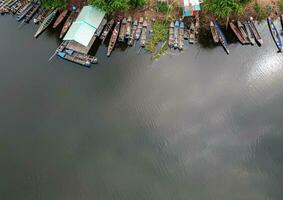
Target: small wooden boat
46, 22
255, 31
133, 31
192, 34
60, 18
171, 35
31, 13
128, 27
68, 23
281, 22
72, 58
176, 34
41, 16
122, 33
139, 29
214, 32
23, 8
106, 30
275, 34
113, 38
244, 33
25, 11
16, 7
143, 34
237, 32
222, 38
249, 33
181, 36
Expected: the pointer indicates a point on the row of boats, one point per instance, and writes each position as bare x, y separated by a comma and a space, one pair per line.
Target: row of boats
246, 32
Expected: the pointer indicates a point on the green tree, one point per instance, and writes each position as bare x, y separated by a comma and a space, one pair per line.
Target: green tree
110, 5
48, 4
138, 3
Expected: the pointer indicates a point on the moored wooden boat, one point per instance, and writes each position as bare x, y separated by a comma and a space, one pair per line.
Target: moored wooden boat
181, 36
16, 7
237, 32
176, 34
255, 31
106, 30
128, 27
83, 62
139, 29
133, 31
214, 32
31, 13
113, 38
249, 33
281, 22
275, 34
171, 35
122, 32
25, 11
244, 33
60, 18
68, 23
46, 22
143, 35
222, 38
23, 7
192, 34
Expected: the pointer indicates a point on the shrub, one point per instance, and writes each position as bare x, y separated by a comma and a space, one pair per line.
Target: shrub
280, 3
262, 13
162, 7
138, 3
110, 5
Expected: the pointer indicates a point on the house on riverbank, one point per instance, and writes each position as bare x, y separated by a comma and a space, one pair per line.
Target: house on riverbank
190, 7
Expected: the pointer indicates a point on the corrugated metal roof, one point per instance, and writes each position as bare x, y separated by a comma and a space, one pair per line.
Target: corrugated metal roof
83, 29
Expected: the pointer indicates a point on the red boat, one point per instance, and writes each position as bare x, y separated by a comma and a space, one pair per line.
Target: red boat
60, 18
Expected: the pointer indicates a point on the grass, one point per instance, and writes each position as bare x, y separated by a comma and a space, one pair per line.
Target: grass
280, 4
262, 13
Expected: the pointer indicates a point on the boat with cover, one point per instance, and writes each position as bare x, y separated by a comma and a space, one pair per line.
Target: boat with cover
106, 30
222, 38
244, 33
128, 27
171, 35
113, 38
274, 33
68, 23
237, 32
122, 32
249, 33
25, 11
132, 35
46, 22
214, 32
31, 13
181, 36
192, 34
139, 29
143, 34
176, 34
255, 31
60, 18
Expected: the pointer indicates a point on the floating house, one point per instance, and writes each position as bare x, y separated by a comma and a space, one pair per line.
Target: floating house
81, 34
190, 7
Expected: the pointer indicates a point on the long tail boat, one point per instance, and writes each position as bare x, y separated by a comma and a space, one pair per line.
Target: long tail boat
192, 34
275, 34
176, 34
244, 33
68, 23
214, 32
143, 35
106, 30
133, 31
139, 29
122, 33
128, 27
25, 11
113, 38
46, 22
171, 35
181, 36
60, 18
255, 31
249, 33
31, 13
222, 37
237, 32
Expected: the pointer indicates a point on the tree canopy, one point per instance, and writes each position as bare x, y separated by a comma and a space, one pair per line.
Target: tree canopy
53, 3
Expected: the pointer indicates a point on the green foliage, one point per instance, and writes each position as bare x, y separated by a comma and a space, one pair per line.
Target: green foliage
48, 4
162, 7
110, 5
262, 13
280, 3
224, 8
138, 3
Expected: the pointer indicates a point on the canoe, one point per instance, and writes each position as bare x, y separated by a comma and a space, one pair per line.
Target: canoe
255, 31
139, 29
181, 36
122, 33
274, 33
46, 22
214, 32
68, 23
133, 32
222, 38
128, 27
25, 11
106, 30
143, 35
237, 32
113, 38
23, 7
192, 34
171, 35
176, 34
60, 18
249, 33
31, 13
244, 33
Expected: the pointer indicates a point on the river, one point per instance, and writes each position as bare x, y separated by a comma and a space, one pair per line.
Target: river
193, 125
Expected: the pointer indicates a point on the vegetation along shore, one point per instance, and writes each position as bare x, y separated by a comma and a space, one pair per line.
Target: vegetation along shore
154, 25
